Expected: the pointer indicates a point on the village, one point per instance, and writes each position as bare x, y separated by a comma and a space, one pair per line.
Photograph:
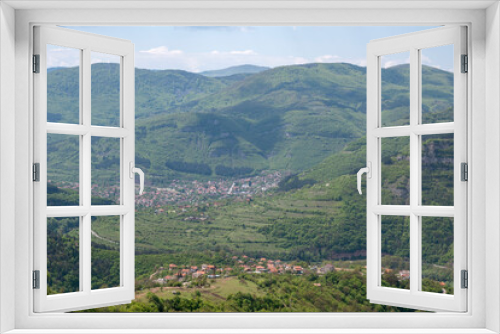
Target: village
185, 274
183, 192
196, 192
245, 264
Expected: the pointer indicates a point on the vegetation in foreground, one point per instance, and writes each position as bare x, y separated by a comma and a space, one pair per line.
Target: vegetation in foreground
237, 127
343, 291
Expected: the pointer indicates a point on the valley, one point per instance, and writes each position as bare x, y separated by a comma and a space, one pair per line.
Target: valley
251, 166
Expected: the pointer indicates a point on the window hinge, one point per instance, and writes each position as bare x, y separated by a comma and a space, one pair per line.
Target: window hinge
465, 279
464, 171
36, 63
465, 64
36, 172
36, 279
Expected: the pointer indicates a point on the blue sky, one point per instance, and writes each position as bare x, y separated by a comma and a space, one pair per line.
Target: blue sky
197, 49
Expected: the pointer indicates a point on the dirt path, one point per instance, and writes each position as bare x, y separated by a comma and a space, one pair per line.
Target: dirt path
153, 274
102, 238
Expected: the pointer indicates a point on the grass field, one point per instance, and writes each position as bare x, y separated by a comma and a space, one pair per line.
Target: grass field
218, 291
234, 226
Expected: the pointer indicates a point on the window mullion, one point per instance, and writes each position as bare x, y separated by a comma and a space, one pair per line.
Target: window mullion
417, 109
86, 236
414, 172
81, 178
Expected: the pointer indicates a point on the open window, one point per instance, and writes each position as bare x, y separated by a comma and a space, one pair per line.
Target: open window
415, 146
98, 148
416, 226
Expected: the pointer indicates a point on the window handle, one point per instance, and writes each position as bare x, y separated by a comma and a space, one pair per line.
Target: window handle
133, 171
368, 171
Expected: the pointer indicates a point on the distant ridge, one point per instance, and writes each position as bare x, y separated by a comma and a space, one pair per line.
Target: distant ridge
50, 69
241, 69
288, 117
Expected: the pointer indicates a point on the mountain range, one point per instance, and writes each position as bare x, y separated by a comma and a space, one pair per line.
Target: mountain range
240, 69
307, 119
285, 118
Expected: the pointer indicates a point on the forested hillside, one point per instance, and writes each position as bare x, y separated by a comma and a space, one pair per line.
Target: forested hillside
286, 118
302, 130
323, 219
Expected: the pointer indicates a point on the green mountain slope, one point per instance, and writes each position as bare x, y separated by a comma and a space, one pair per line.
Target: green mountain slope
241, 69
324, 219
437, 95
309, 119
157, 92
286, 118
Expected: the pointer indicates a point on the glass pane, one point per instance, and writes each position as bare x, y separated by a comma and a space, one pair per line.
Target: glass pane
395, 171
105, 171
395, 101
437, 170
437, 84
105, 252
63, 170
63, 255
63, 84
105, 89
395, 251
437, 254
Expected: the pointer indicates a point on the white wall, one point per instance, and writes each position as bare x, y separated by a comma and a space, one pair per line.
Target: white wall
492, 165
7, 162
23, 219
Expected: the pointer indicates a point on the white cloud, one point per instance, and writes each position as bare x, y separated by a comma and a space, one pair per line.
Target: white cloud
386, 63
246, 53
162, 51
425, 60
62, 57
339, 59
104, 58
359, 62
429, 62
299, 60
162, 57
327, 59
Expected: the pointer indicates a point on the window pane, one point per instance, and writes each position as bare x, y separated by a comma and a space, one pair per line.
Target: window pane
437, 170
395, 100
437, 255
63, 255
395, 171
437, 84
395, 251
105, 252
63, 170
105, 171
105, 89
63, 84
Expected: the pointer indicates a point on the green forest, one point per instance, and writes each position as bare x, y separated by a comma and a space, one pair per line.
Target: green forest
305, 121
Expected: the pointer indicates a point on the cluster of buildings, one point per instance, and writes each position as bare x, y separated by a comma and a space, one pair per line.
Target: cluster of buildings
194, 192
401, 274
176, 273
191, 192
241, 265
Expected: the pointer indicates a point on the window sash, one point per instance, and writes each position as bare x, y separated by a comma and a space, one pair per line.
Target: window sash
86, 297
414, 298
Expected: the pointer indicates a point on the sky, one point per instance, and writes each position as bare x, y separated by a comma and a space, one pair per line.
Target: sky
197, 49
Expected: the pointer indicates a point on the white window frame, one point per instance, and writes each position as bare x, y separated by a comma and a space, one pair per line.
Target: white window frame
85, 43
413, 43
483, 129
